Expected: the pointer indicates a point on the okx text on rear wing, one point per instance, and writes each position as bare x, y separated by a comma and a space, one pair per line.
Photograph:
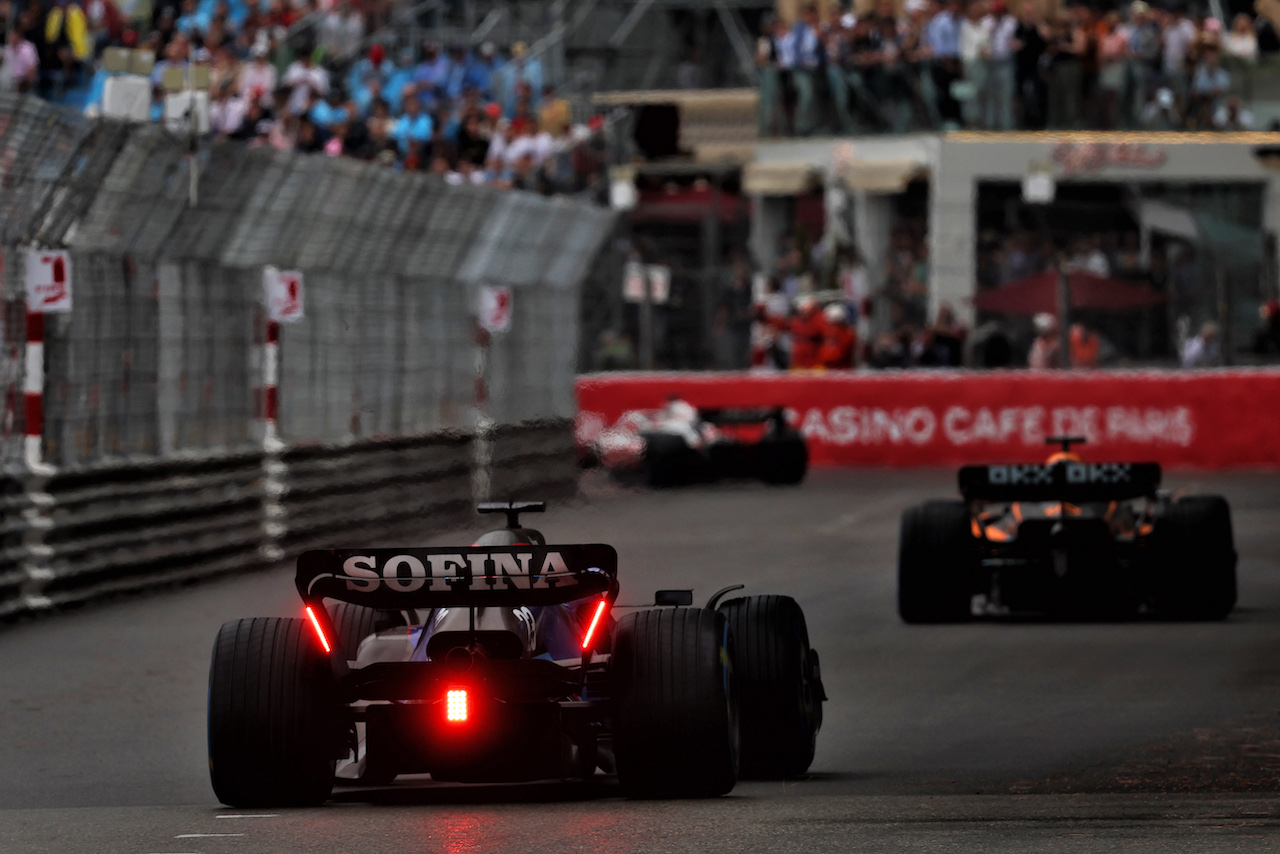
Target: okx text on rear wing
399, 578
1073, 482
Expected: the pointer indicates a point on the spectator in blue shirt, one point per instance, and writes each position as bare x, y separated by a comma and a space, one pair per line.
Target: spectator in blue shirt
455, 78
433, 71
521, 68
193, 20
414, 126
482, 70
375, 65
807, 45
942, 40
1209, 87
329, 113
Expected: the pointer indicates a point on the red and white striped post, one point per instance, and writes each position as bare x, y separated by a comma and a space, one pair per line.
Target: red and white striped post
270, 377
33, 392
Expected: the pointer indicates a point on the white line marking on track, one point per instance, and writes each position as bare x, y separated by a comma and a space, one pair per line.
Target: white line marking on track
263, 815
203, 835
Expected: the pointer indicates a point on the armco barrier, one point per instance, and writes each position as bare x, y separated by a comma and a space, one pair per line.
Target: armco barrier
78, 535
533, 461
112, 528
1212, 419
371, 490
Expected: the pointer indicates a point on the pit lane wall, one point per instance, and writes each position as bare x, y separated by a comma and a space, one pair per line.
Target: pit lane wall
177, 434
1209, 419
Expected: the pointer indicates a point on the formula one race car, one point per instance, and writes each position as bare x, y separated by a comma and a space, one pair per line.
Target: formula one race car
680, 444
1067, 538
502, 662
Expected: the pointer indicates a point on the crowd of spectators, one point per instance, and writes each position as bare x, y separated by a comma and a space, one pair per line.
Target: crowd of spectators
975, 64
827, 309
482, 116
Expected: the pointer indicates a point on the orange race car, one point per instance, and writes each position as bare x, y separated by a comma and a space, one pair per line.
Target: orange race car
1067, 538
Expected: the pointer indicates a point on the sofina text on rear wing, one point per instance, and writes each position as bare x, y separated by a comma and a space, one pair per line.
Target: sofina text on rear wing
1073, 482
458, 577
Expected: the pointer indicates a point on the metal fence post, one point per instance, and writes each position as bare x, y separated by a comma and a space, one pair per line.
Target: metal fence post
482, 438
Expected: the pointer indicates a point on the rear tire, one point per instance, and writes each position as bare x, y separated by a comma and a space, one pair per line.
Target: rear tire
785, 459
937, 557
274, 723
354, 623
1194, 560
667, 460
675, 730
779, 686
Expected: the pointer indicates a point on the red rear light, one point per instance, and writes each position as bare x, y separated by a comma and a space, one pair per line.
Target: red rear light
319, 631
455, 705
595, 621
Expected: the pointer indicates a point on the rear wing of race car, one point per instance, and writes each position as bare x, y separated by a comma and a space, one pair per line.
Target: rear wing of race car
483, 576
743, 416
1072, 482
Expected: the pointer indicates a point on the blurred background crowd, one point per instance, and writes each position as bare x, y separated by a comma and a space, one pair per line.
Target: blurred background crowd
302, 75
977, 65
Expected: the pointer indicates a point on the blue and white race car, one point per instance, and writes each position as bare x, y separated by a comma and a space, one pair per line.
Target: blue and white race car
503, 662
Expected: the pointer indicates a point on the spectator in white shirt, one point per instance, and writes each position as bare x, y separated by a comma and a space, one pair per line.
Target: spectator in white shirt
1178, 38
21, 64
257, 80
975, 50
1001, 71
226, 110
1231, 116
1241, 44
1203, 350
305, 79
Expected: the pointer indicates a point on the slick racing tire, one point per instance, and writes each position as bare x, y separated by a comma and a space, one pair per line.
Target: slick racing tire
937, 557
784, 459
675, 728
354, 623
274, 725
779, 686
1194, 560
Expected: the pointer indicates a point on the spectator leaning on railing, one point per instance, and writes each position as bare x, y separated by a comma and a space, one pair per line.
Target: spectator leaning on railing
973, 64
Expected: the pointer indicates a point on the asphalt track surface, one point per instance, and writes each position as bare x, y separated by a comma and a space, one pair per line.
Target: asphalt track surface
991, 736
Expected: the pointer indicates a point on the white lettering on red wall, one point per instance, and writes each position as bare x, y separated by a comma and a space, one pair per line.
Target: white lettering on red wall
1210, 418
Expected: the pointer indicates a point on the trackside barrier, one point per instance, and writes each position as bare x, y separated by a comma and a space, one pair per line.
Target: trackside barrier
1210, 419
161, 428
13, 572
376, 488
533, 461
112, 528
115, 528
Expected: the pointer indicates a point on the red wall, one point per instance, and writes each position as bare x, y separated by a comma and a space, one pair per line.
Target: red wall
1212, 419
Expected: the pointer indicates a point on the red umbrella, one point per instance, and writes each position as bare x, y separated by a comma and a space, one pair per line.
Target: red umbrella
1039, 293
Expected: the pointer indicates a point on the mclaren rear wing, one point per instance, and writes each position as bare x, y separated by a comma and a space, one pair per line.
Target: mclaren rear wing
1077, 483
396, 579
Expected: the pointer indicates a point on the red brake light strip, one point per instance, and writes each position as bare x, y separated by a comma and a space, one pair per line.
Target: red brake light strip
324, 642
595, 620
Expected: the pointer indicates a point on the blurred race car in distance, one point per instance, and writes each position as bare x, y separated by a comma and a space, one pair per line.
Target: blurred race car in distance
680, 444
502, 662
1067, 538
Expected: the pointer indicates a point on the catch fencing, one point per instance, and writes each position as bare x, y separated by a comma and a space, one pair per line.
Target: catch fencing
156, 461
